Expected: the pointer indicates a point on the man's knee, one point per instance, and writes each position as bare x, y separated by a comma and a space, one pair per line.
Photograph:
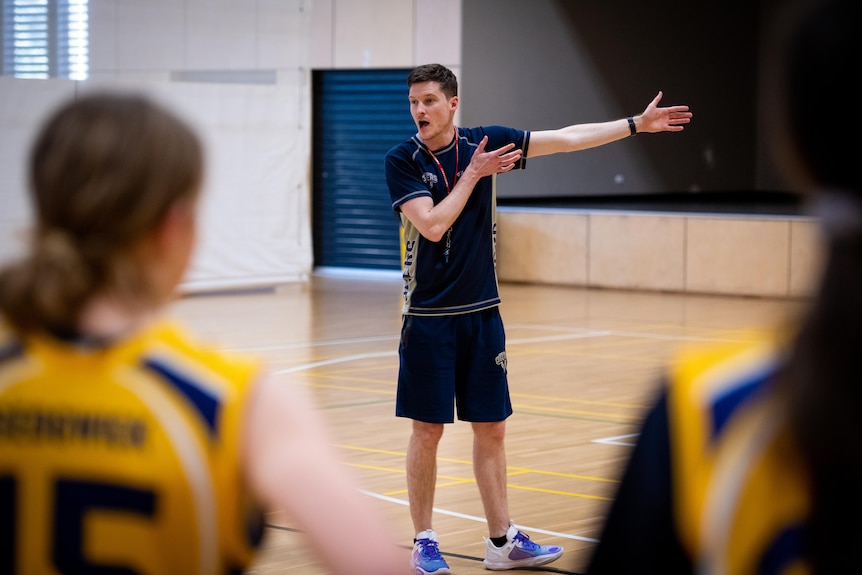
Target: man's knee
490, 432
427, 433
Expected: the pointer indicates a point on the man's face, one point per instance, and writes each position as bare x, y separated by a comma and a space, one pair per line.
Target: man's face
432, 112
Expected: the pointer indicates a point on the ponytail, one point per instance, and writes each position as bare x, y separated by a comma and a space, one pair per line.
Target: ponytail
47, 287
104, 172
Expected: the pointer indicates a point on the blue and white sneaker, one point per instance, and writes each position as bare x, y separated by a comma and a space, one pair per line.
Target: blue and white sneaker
426, 558
518, 551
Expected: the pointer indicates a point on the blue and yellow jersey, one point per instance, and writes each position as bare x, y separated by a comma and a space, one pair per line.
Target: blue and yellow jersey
714, 485
741, 491
123, 458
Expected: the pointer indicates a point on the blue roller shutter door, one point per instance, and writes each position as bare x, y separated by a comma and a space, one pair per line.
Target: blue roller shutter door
358, 116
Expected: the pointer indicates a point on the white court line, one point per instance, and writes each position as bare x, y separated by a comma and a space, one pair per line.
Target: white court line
615, 440
624, 333
559, 337
306, 344
334, 360
571, 333
547, 327
356, 340
481, 519
344, 359
347, 358
679, 337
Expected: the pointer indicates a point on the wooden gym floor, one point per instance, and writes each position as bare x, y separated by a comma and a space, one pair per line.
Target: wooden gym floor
583, 365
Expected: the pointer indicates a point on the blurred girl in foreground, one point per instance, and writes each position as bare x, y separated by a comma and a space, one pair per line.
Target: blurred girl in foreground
125, 445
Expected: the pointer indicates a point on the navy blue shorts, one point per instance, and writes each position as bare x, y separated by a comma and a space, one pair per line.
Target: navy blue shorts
453, 361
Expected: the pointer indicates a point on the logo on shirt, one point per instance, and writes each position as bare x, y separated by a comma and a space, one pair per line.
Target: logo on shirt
429, 179
501, 360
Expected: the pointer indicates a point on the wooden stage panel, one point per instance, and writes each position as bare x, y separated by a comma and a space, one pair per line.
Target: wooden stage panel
583, 366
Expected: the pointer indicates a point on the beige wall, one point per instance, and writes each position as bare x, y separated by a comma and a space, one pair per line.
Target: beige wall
385, 33
160, 36
766, 256
152, 41
240, 72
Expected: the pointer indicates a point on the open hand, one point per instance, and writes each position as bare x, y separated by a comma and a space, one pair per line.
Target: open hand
495, 161
669, 119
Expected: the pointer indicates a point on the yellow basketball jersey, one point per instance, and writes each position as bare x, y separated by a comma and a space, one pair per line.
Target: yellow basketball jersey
123, 459
742, 498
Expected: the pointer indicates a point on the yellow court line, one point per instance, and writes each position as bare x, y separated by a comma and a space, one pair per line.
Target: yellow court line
343, 388
608, 341
566, 475
341, 372
436, 486
554, 492
511, 486
391, 392
388, 392
509, 469
613, 417
638, 417
372, 450
584, 401
453, 481
581, 355
456, 482
401, 454
512, 473
516, 472
378, 468
518, 405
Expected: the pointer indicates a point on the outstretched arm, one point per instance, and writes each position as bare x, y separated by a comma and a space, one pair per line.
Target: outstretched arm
583, 136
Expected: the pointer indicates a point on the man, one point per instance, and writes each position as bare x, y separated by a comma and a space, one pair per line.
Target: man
452, 346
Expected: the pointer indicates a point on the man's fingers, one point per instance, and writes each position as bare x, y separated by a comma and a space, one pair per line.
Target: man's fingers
504, 149
502, 159
481, 147
510, 157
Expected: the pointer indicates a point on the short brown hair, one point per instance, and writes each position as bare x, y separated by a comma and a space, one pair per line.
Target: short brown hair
435, 73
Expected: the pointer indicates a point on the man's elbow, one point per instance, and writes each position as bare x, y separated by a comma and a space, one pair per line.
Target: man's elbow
433, 233
426, 225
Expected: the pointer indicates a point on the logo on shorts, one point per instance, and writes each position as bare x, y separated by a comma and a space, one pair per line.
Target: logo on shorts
501, 360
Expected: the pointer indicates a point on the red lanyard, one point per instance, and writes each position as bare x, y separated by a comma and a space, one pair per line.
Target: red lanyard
448, 188
440, 166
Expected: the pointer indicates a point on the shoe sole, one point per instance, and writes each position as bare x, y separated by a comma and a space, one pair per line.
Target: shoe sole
417, 570
442, 571
528, 562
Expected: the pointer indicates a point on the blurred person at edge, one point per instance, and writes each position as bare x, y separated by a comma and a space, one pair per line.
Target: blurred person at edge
126, 446
749, 461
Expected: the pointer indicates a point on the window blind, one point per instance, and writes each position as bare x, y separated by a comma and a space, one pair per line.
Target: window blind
45, 39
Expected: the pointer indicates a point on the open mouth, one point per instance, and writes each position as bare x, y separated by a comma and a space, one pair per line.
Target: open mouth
423, 124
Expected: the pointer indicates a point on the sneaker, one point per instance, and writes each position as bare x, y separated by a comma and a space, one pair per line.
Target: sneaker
518, 551
426, 559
